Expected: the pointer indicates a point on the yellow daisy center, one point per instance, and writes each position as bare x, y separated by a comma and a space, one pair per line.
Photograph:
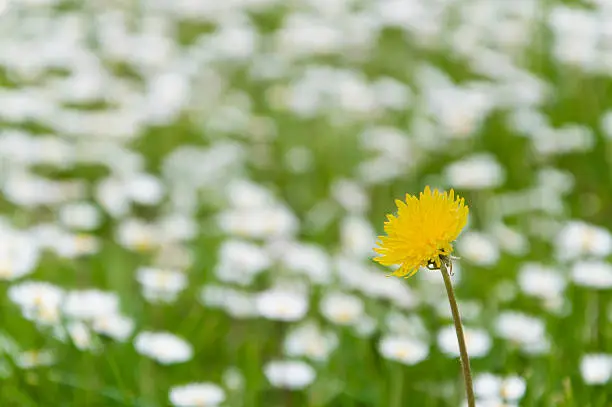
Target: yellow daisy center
422, 232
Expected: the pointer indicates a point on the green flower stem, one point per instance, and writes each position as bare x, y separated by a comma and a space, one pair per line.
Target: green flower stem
465, 360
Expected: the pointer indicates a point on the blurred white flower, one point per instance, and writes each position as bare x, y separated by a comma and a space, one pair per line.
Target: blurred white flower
85, 85
529, 333
401, 295
308, 259
480, 171
177, 227
35, 358
191, 169
510, 240
358, 236
527, 122
596, 368
478, 248
321, 215
39, 301
90, 304
19, 254
489, 388
275, 221
310, 341
235, 41
45, 235
73, 245
174, 255
379, 170
289, 374
390, 143
375, 284
238, 304
197, 394
135, 234
304, 34
160, 285
80, 335
392, 94
115, 326
342, 309
477, 341
517, 202
413, 326
571, 138
513, 388
246, 194
166, 95
592, 274
79, 216
557, 180
282, 305
351, 196
487, 385
365, 327
144, 189
35, 294
405, 350
578, 239
29, 190
163, 347
240, 261
540, 281
112, 195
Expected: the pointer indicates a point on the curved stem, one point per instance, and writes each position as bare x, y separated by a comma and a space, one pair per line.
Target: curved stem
465, 360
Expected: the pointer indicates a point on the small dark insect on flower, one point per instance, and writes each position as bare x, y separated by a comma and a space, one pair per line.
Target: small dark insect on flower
448, 262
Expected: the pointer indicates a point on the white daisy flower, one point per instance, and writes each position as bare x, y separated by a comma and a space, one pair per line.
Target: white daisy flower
197, 394
19, 254
159, 285
240, 262
578, 239
405, 350
138, 235
540, 281
163, 347
35, 358
115, 326
477, 341
308, 340
481, 171
289, 374
529, 333
282, 305
342, 309
596, 368
478, 248
90, 304
594, 274
79, 216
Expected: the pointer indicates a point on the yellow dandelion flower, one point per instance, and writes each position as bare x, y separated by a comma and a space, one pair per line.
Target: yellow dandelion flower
422, 232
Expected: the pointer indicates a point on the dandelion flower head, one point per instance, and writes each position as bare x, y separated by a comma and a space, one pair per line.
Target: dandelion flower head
422, 232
